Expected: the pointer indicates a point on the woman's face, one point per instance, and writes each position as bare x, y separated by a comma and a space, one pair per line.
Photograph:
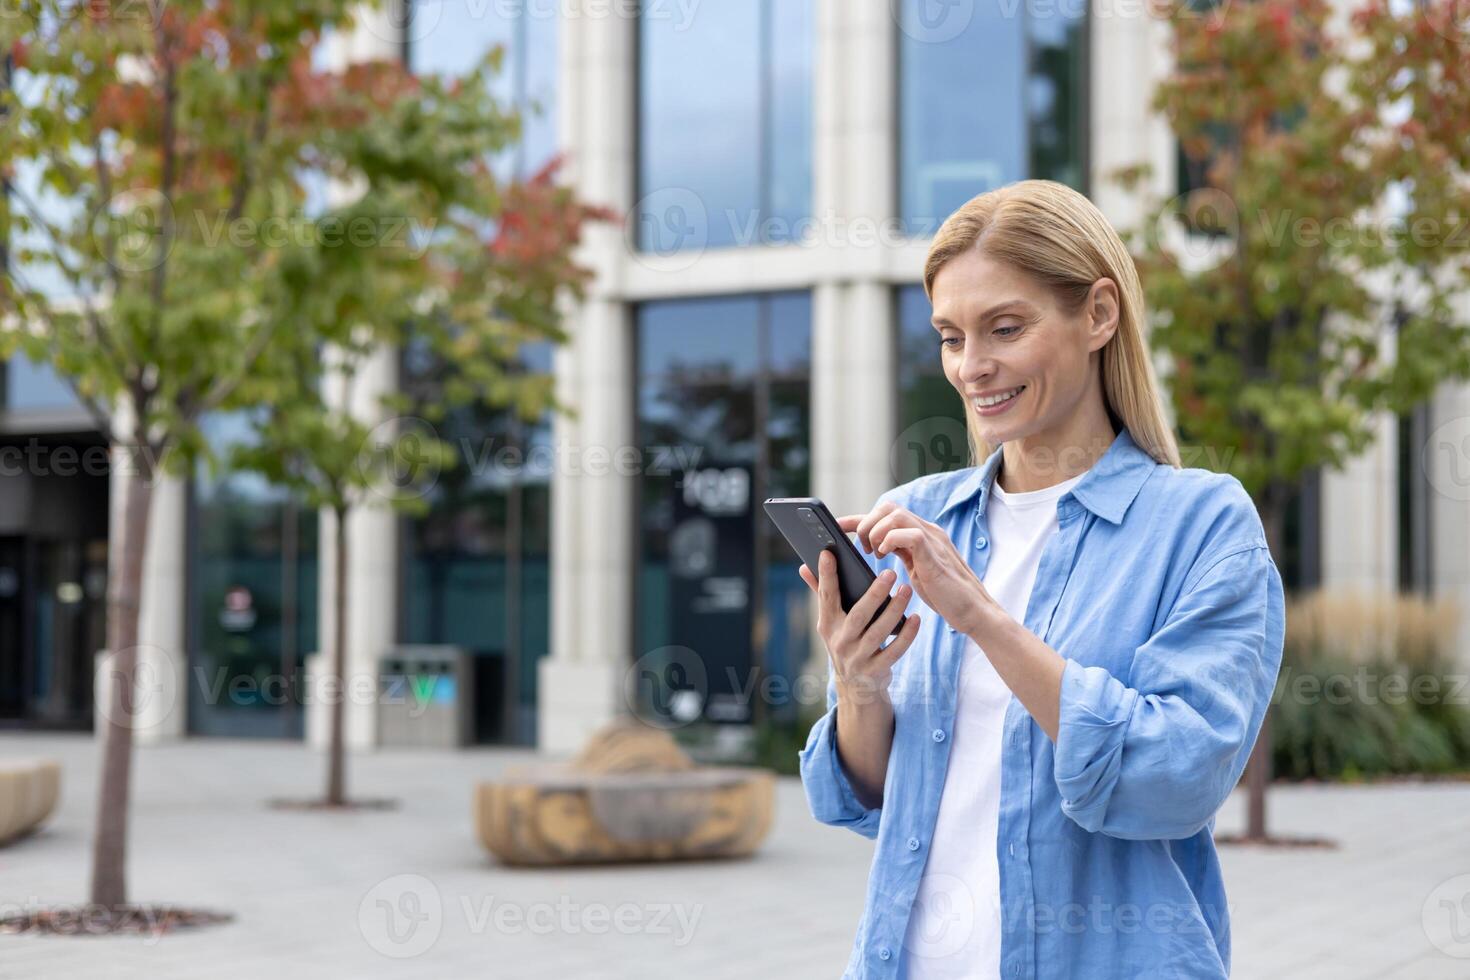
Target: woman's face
1022, 365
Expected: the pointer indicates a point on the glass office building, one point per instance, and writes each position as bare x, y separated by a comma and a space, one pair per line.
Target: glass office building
744, 338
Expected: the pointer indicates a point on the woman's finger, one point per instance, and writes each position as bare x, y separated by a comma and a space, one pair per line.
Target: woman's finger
880, 628
827, 588
871, 599
888, 656
807, 576
899, 539
873, 516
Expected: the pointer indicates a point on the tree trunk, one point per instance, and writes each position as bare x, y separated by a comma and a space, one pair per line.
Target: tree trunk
336, 754
1258, 770
125, 591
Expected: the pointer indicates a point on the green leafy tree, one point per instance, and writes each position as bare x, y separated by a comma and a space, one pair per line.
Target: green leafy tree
165, 163
1310, 282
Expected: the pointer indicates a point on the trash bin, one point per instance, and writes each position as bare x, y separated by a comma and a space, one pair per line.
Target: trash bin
424, 697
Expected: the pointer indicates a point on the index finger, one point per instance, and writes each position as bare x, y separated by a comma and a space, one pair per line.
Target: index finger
827, 585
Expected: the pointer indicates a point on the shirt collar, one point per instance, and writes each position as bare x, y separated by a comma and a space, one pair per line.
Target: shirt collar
1107, 489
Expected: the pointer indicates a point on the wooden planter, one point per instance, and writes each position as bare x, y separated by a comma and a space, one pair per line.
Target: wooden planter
29, 789
632, 795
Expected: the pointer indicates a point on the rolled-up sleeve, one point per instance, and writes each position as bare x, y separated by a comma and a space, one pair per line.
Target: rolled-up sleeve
828, 791
1156, 758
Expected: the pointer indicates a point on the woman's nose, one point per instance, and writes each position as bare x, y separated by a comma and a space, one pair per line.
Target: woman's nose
976, 369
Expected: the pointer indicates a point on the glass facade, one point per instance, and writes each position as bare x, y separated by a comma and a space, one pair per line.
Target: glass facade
931, 414
988, 94
29, 386
476, 569
448, 37
724, 422
724, 125
252, 597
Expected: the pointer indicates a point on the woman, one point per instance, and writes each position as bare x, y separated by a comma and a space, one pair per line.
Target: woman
1094, 636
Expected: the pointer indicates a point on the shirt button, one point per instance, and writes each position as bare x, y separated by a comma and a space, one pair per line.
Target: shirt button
980, 541
938, 734
913, 843
950, 628
884, 952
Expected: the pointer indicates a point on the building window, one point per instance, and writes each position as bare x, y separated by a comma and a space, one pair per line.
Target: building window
449, 37
724, 124
476, 568
988, 95
252, 594
723, 420
931, 414
28, 386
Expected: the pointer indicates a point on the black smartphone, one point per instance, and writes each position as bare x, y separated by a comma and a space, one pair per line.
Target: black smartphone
810, 529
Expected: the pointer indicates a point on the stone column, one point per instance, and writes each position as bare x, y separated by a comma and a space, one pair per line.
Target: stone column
372, 528
593, 560
853, 322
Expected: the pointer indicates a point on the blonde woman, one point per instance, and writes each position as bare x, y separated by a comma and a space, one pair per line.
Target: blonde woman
1094, 635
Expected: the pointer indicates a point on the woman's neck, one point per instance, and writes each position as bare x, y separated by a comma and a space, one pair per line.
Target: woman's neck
1045, 459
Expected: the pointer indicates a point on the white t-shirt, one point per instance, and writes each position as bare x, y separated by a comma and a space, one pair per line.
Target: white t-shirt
954, 928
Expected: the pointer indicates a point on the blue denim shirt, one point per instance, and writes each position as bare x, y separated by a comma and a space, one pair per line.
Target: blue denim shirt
1159, 591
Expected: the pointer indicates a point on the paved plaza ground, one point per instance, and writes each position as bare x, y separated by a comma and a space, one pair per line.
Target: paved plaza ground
344, 896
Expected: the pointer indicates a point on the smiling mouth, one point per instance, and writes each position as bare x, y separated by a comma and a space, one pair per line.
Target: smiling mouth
984, 405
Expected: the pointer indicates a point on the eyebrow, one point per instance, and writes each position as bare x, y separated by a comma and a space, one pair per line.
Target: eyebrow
940, 322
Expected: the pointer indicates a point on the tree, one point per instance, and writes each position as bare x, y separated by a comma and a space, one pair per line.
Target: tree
183, 142
1328, 243
470, 315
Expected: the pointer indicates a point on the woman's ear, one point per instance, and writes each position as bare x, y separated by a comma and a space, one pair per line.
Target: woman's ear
1103, 312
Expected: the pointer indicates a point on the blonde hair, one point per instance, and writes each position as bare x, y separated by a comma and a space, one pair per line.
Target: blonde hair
1057, 236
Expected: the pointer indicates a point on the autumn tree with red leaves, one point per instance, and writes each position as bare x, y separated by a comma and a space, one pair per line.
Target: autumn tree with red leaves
169, 250
1312, 281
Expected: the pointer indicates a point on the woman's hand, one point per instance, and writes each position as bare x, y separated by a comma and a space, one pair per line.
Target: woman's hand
861, 665
941, 576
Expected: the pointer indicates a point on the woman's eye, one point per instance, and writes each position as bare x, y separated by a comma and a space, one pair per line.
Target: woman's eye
1001, 331
950, 342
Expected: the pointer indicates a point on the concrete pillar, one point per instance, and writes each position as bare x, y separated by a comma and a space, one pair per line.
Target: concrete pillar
1360, 517
853, 411
580, 684
372, 528
162, 679
1445, 457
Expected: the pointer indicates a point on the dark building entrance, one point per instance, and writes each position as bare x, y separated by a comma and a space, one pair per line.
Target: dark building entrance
53, 577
